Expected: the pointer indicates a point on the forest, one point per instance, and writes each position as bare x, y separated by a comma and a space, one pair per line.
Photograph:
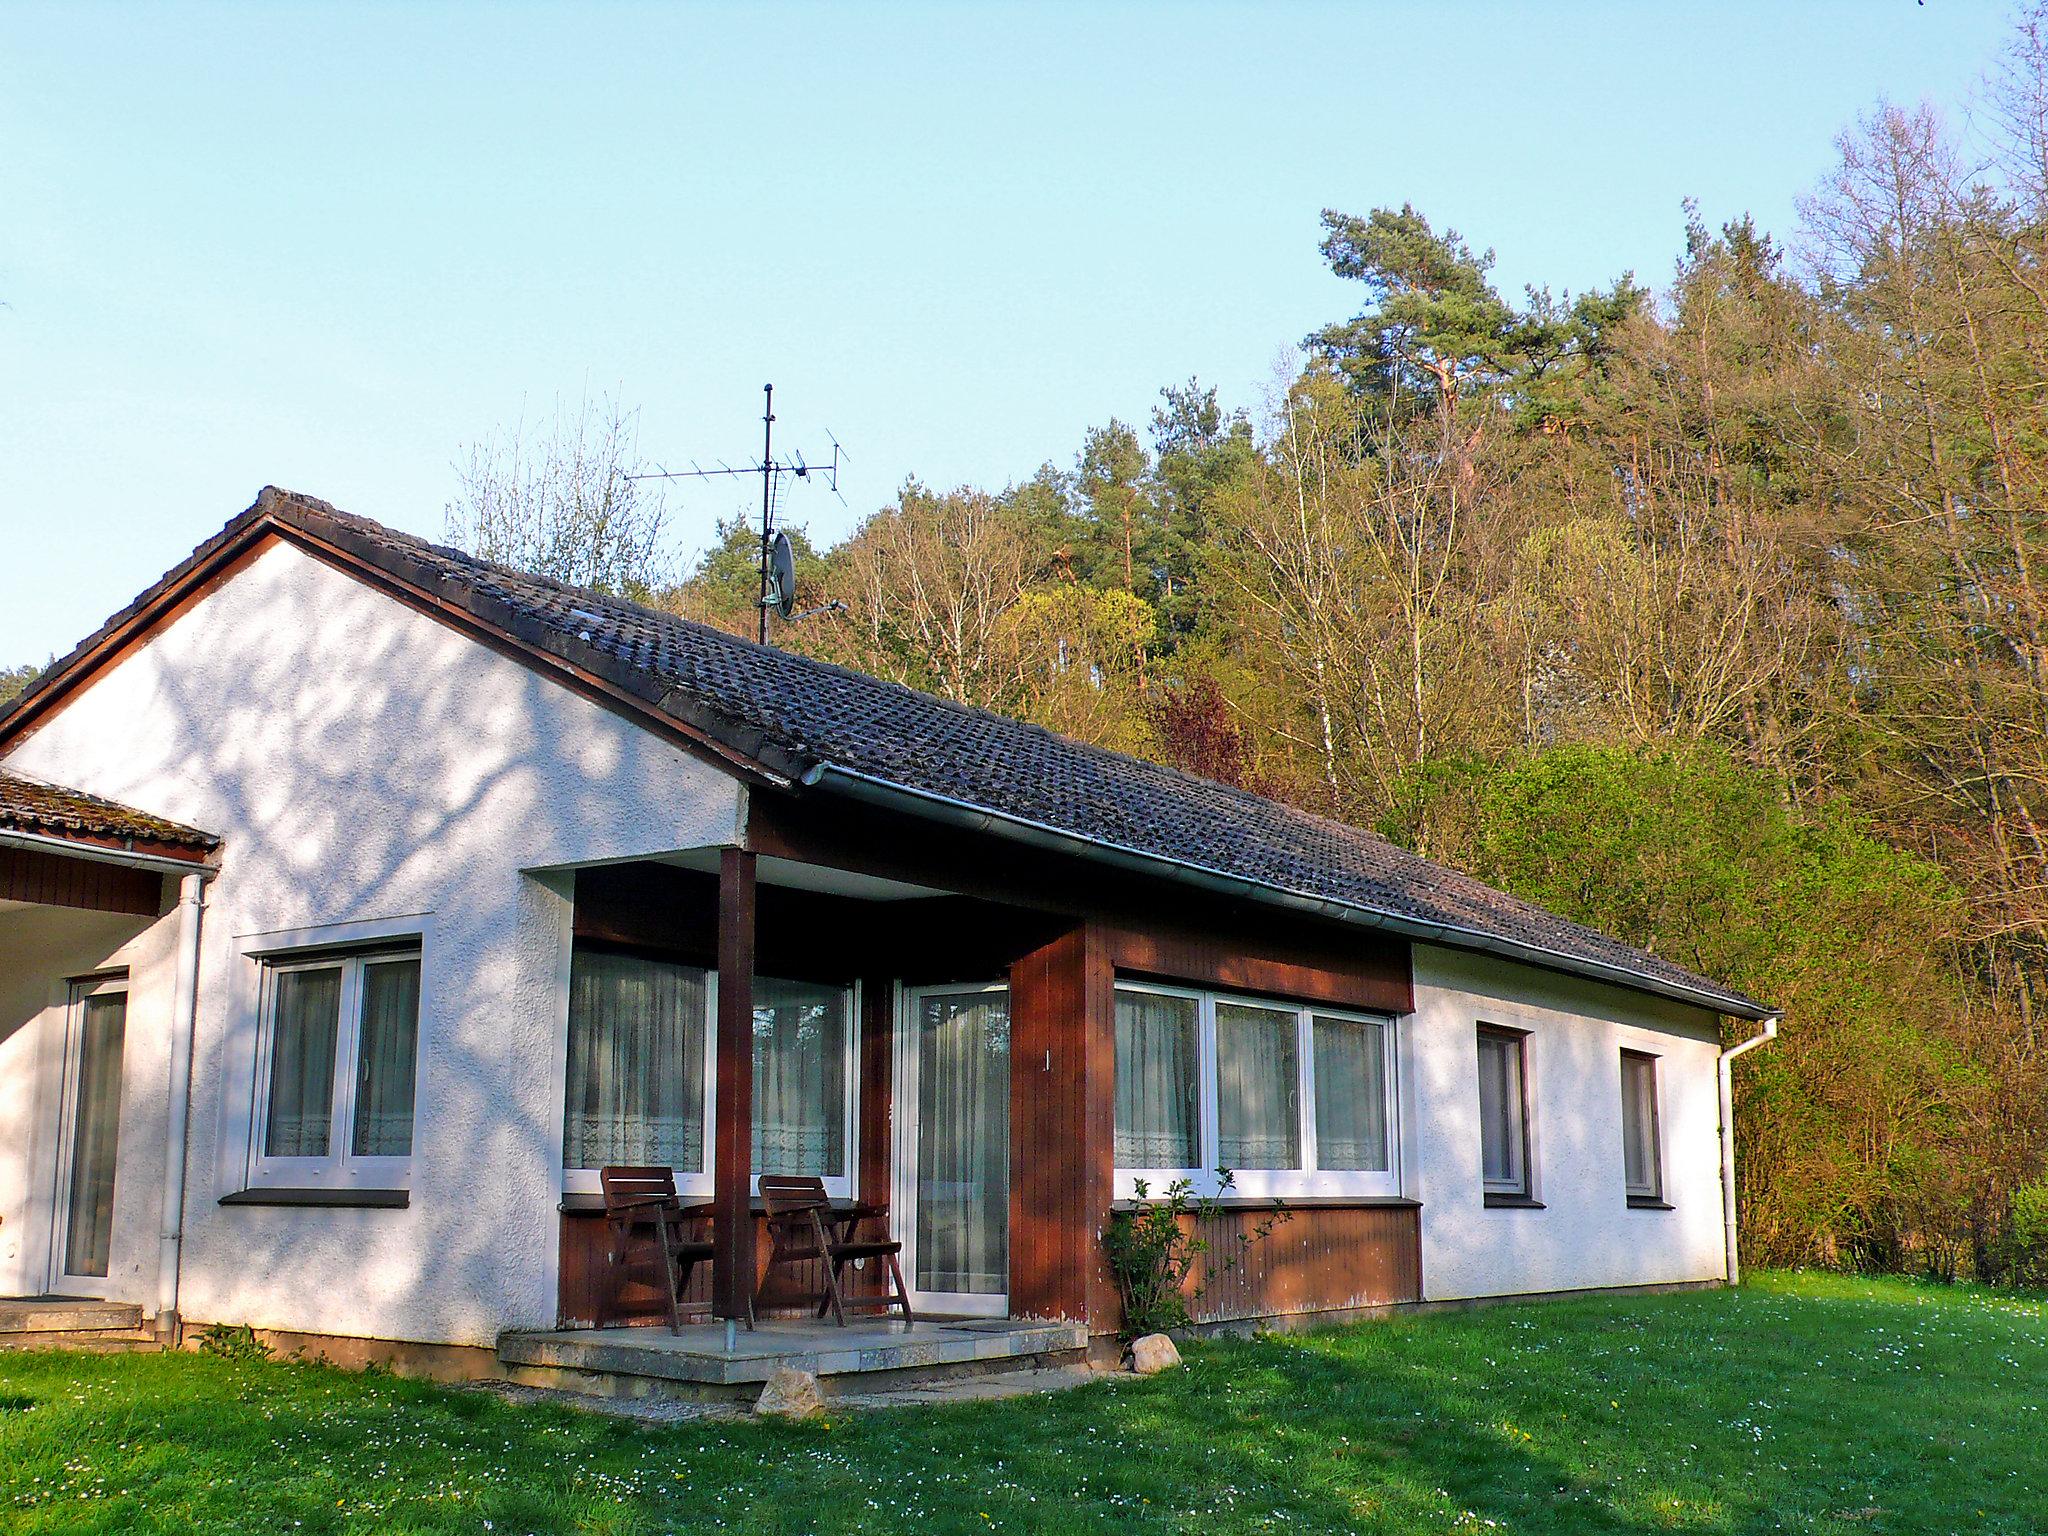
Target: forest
1713, 614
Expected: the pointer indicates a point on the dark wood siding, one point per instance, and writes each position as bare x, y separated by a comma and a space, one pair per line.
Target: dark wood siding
1323, 1258
1062, 1057
1159, 924
1366, 977
53, 880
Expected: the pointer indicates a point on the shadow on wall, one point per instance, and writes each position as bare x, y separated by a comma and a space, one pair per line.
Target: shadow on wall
41, 946
361, 761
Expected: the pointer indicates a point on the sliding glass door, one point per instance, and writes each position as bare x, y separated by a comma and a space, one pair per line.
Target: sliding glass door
953, 1203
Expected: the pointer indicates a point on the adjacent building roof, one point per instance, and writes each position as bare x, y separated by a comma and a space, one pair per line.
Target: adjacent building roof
70, 815
792, 721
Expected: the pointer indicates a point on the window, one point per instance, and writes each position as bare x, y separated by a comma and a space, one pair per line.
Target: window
338, 1052
1258, 1087
1351, 1094
1642, 1156
1293, 1101
801, 1042
639, 1032
1503, 1116
1158, 1080
642, 1069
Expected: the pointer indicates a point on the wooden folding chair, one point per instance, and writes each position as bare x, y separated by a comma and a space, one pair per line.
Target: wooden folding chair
641, 1200
803, 1225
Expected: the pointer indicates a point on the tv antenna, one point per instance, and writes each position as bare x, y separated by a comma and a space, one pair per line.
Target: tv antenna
777, 562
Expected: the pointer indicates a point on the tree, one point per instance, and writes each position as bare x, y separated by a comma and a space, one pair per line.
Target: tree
559, 499
929, 584
724, 587
1434, 329
14, 679
1851, 1126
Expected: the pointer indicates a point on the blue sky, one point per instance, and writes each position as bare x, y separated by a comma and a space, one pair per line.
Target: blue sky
325, 247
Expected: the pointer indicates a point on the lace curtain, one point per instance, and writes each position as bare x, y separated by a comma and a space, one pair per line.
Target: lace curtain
1158, 1064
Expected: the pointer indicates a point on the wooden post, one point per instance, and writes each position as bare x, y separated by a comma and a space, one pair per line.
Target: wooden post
732, 1182
1062, 1119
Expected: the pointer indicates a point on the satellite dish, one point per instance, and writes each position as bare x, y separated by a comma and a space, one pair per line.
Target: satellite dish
782, 576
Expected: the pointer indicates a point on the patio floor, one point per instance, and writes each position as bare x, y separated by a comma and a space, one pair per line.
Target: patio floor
861, 1355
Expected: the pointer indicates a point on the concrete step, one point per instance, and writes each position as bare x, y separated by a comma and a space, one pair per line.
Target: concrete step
39, 1315
861, 1359
84, 1342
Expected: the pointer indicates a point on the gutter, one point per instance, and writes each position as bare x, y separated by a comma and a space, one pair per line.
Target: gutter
130, 856
961, 813
1725, 1081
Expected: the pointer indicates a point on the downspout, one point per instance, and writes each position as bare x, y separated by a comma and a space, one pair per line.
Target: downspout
1726, 1077
184, 1015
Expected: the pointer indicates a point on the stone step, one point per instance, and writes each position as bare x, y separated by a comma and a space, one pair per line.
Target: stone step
68, 1315
83, 1342
862, 1358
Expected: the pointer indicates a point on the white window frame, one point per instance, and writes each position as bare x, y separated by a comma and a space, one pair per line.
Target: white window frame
1522, 1190
1309, 1181
61, 1279
903, 1149
340, 1169
1653, 1198
586, 1181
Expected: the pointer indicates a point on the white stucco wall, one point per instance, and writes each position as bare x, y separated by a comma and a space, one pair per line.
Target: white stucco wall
1586, 1234
364, 762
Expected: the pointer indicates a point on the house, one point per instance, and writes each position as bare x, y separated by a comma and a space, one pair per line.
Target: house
359, 900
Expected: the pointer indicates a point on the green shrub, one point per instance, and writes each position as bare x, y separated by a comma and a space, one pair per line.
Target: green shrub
1155, 1246
236, 1342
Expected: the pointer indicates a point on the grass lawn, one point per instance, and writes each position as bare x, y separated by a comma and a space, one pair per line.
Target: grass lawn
1800, 1403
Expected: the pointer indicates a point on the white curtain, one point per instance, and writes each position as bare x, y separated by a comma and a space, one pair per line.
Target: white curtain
800, 1034
963, 1143
95, 1135
304, 1019
1639, 1124
1500, 1111
1351, 1095
1158, 1061
1258, 1087
387, 1045
636, 1063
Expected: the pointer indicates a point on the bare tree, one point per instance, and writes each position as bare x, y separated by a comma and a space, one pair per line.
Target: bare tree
557, 498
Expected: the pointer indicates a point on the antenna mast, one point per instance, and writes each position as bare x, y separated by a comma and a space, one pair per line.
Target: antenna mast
767, 496
771, 471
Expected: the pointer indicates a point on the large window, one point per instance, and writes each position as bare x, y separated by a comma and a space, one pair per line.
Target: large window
336, 1066
642, 1071
801, 1044
639, 1035
1642, 1153
1293, 1101
1504, 1117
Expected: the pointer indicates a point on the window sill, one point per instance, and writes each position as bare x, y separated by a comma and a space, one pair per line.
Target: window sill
357, 1199
1649, 1203
1513, 1203
1292, 1202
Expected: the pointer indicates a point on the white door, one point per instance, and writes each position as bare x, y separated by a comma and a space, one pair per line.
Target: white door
89, 1138
953, 1148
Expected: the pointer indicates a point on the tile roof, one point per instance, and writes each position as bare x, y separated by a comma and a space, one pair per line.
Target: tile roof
51, 810
794, 719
